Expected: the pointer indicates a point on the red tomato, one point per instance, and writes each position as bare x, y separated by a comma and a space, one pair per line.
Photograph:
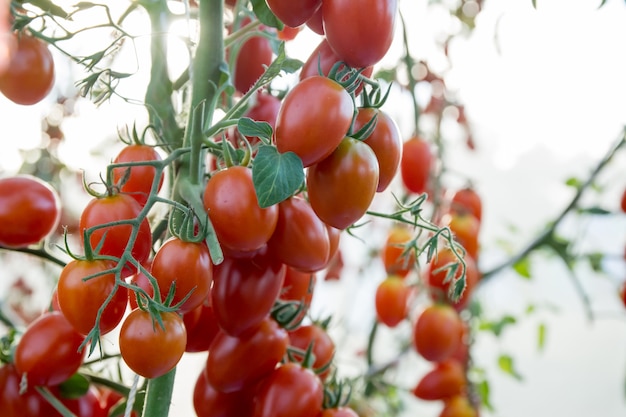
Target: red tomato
438, 332
48, 352
465, 228
467, 200
361, 35
188, 264
301, 239
294, 13
313, 119
73, 290
29, 211
445, 381
264, 109
289, 391
142, 281
392, 253
235, 363
254, 55
139, 179
392, 300
288, 33
147, 348
436, 275
115, 208
334, 236
202, 328
209, 402
416, 164
244, 292
298, 286
342, 186
458, 406
323, 346
623, 203
29, 76
339, 412
315, 23
232, 205
87, 405
14, 404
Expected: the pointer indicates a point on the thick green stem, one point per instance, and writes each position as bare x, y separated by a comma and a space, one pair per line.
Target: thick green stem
159, 395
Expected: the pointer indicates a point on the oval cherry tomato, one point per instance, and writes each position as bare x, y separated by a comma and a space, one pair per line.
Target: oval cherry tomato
29, 211
289, 391
244, 292
458, 406
232, 205
138, 179
301, 239
87, 405
294, 13
298, 286
395, 260
438, 332
29, 76
342, 186
385, 142
209, 402
15, 404
73, 290
467, 200
254, 55
465, 228
147, 348
202, 327
436, 273
315, 23
361, 35
235, 363
188, 265
313, 119
444, 381
415, 165
48, 352
323, 346
392, 300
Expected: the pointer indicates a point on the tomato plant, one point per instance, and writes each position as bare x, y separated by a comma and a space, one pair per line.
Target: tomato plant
137, 180
323, 347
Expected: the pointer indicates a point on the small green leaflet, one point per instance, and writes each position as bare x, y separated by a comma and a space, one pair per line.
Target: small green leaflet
252, 128
74, 387
522, 267
276, 176
505, 362
265, 15
541, 336
496, 327
484, 392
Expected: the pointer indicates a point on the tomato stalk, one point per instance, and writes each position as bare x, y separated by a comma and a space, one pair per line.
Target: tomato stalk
159, 395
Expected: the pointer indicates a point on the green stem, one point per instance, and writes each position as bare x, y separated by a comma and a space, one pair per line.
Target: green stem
410, 63
159, 395
41, 253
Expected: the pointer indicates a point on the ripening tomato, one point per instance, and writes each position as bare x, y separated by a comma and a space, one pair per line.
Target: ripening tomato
29, 211
301, 239
313, 119
334, 236
461, 354
244, 292
254, 55
339, 412
15, 404
458, 406
29, 76
149, 348
138, 179
209, 402
395, 260
467, 200
436, 273
294, 13
438, 332
232, 205
298, 286
342, 186
235, 363
323, 346
444, 381
87, 405
465, 228
392, 300
73, 290
289, 391
416, 164
114, 239
201, 326
48, 351
287, 33
188, 265
361, 35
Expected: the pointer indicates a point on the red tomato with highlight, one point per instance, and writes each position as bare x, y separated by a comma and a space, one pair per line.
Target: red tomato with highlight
438, 332
342, 186
323, 346
315, 23
444, 381
29, 76
467, 200
138, 179
209, 402
294, 13
313, 119
392, 301
201, 325
254, 55
465, 228
73, 291
15, 404
361, 35
396, 261
231, 202
29, 211
416, 164
436, 273
48, 351
149, 349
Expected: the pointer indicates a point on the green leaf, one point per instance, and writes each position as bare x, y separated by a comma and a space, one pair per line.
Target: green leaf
265, 15
252, 128
573, 182
484, 392
497, 327
505, 362
595, 261
276, 176
75, 387
595, 210
522, 267
541, 336
534, 3
386, 74
291, 65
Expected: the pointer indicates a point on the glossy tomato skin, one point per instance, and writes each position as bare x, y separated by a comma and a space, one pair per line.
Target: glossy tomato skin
14, 404
313, 119
255, 53
315, 23
264, 109
139, 179
361, 35
294, 13
323, 346
29, 211
244, 292
289, 391
147, 348
467, 200
188, 264
235, 363
465, 228
232, 205
298, 286
416, 164
438, 332
301, 239
73, 290
342, 186
395, 261
48, 352
436, 275
201, 326
444, 381
30, 73
392, 300
209, 402
385, 142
